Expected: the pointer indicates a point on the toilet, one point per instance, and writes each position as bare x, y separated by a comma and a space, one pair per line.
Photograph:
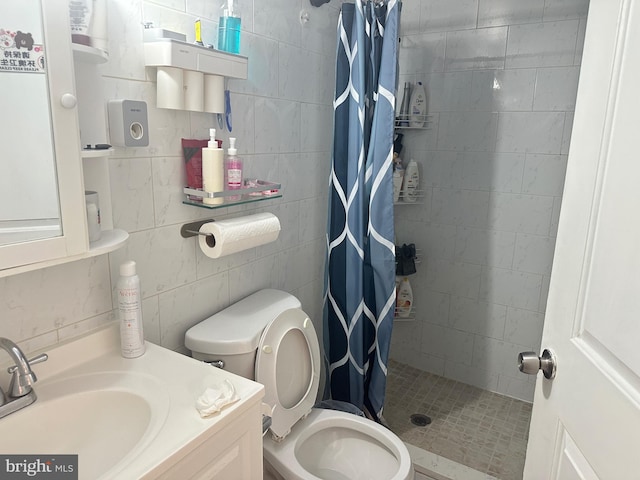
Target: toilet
266, 337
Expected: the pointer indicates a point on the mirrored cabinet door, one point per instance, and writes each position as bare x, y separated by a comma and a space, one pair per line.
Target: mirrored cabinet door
42, 214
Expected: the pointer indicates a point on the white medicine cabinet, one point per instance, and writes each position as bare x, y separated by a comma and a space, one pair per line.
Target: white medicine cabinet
42, 203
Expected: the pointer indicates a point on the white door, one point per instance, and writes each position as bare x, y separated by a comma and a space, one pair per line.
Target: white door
586, 422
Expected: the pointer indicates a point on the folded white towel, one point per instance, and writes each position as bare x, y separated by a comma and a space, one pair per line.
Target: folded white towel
215, 398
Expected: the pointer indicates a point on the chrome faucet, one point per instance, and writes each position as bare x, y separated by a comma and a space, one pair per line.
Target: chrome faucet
22, 378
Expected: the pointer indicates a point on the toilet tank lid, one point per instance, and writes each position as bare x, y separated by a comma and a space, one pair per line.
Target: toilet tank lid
237, 329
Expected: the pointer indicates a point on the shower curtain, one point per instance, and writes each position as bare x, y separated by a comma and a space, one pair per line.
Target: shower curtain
360, 265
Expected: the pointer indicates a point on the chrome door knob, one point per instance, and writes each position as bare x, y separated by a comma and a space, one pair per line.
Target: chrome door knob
530, 363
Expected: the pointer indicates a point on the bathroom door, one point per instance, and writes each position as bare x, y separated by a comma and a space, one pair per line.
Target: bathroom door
586, 422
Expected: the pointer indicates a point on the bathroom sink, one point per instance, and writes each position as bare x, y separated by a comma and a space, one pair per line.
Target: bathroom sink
124, 418
104, 418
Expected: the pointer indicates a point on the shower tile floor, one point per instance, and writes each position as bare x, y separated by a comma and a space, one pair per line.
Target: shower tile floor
482, 430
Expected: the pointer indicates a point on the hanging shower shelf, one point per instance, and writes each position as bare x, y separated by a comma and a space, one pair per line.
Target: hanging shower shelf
420, 194
410, 318
254, 191
403, 122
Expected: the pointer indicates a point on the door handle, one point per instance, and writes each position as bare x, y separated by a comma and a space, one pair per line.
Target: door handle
530, 363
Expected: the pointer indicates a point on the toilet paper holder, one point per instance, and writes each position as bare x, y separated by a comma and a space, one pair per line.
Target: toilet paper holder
192, 229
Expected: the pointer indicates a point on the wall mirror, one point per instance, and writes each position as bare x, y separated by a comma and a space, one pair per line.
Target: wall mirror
41, 188
29, 207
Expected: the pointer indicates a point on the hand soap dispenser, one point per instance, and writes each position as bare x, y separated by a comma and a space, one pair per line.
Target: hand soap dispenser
212, 169
229, 27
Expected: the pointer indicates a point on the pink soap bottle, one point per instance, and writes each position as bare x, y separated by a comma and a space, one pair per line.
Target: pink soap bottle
233, 167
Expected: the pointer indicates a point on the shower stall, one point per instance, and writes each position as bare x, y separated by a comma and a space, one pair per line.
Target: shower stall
501, 81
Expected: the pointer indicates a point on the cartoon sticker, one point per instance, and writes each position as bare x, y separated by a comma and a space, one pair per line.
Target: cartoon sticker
19, 52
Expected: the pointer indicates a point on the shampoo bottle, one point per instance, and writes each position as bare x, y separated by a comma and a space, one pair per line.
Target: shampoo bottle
404, 298
229, 27
233, 167
130, 309
418, 106
411, 182
212, 169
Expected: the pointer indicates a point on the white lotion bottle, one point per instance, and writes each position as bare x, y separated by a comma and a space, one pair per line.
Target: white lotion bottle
404, 299
411, 182
418, 106
212, 169
130, 309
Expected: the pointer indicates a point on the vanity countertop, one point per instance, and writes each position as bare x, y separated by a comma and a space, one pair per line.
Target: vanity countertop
157, 390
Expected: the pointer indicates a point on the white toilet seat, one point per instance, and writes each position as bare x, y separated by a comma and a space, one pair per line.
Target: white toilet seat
288, 365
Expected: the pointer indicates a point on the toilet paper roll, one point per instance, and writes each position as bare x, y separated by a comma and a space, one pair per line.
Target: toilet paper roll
170, 88
214, 94
193, 91
237, 234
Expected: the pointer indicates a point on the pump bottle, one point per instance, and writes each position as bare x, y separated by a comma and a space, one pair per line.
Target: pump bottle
212, 169
233, 167
229, 27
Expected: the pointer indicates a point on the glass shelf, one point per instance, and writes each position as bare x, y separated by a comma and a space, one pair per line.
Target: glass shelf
254, 191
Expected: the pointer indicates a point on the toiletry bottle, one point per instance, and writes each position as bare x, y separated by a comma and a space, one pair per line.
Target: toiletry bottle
229, 27
398, 175
233, 167
212, 169
411, 182
404, 299
130, 309
403, 117
418, 106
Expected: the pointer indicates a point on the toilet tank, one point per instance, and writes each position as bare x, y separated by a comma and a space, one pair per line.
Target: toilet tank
232, 335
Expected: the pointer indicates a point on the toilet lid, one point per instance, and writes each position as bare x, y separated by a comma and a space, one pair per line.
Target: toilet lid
288, 365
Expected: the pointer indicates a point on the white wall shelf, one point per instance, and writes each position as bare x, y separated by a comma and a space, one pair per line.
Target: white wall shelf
167, 52
86, 54
97, 153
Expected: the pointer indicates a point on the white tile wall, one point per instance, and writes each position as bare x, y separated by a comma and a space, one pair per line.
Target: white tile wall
282, 119
502, 93
501, 80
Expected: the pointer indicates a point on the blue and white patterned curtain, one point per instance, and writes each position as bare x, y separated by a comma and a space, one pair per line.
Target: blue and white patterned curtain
360, 264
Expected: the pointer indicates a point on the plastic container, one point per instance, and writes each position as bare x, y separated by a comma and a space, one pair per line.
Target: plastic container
233, 167
411, 182
404, 299
130, 309
398, 175
212, 169
403, 117
418, 106
229, 27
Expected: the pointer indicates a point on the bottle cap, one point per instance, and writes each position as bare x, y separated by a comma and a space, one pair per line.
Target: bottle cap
232, 146
212, 138
128, 269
